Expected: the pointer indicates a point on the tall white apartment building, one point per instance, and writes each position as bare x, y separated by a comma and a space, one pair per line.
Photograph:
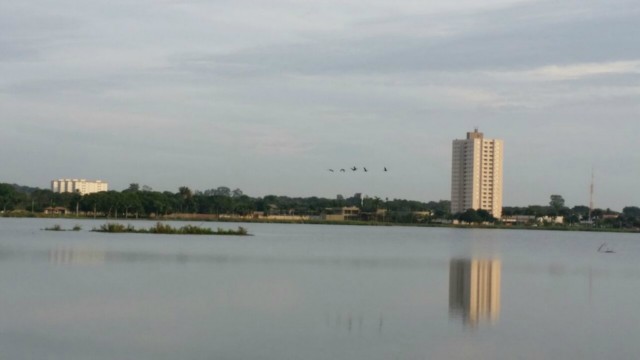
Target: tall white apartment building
82, 186
476, 174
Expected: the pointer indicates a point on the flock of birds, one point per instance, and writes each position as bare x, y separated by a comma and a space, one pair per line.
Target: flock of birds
355, 168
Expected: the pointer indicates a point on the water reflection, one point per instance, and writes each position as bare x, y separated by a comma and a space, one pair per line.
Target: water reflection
474, 290
354, 322
76, 256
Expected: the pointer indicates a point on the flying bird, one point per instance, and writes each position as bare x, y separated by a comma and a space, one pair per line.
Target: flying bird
385, 169
364, 168
342, 170
354, 168
331, 170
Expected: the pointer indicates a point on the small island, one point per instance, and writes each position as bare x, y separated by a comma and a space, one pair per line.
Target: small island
57, 227
160, 228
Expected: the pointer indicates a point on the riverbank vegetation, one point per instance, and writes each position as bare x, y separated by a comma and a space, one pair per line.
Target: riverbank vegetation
160, 228
224, 204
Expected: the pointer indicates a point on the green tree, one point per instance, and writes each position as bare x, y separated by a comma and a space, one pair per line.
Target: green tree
470, 216
186, 198
572, 219
133, 187
9, 197
222, 191
557, 202
243, 205
237, 193
631, 211
597, 214
485, 216
131, 203
581, 211
41, 199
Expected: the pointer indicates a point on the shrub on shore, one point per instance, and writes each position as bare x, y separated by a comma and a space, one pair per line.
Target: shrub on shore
239, 231
115, 228
55, 227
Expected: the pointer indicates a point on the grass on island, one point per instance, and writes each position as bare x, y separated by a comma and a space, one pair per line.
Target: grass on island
57, 227
160, 228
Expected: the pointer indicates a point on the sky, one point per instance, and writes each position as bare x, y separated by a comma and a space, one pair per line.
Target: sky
266, 96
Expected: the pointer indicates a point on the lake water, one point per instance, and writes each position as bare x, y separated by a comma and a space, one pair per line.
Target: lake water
316, 292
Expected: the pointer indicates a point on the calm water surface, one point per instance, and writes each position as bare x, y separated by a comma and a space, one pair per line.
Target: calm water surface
316, 292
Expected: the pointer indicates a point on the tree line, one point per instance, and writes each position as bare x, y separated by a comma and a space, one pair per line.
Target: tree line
142, 201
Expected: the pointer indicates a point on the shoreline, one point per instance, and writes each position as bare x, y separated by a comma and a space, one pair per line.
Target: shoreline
341, 223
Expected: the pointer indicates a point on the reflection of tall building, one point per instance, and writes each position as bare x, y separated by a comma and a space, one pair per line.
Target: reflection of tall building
474, 289
76, 256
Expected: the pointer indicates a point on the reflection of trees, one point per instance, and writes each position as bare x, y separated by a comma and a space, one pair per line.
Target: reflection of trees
474, 289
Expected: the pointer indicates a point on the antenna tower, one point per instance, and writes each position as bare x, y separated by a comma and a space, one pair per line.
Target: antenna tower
591, 196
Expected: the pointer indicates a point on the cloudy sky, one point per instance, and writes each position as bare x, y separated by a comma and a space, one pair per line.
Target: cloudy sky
267, 95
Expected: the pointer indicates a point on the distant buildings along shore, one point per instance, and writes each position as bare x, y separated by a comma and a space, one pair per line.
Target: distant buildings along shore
81, 186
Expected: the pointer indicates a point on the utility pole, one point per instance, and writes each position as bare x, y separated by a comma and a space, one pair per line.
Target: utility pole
591, 197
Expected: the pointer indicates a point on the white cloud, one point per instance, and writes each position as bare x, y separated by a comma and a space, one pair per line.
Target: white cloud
576, 71
571, 71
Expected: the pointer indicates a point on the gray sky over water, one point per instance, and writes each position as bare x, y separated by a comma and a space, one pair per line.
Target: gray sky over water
267, 95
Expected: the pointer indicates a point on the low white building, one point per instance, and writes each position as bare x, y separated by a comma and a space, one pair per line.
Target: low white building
81, 186
551, 219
